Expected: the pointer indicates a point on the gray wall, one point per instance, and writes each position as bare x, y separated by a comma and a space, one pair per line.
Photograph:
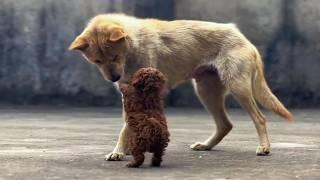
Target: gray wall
286, 33
35, 67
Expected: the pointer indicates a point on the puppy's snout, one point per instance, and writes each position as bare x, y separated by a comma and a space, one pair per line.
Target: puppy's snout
115, 77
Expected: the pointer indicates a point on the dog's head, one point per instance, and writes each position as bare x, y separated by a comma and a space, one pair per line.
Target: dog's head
104, 43
148, 80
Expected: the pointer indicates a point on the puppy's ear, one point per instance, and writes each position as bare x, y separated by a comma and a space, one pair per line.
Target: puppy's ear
117, 33
79, 44
124, 88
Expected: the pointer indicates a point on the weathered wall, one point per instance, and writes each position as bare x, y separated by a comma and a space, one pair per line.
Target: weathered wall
36, 68
286, 33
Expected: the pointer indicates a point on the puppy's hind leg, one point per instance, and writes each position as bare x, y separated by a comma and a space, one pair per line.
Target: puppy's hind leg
157, 156
138, 158
211, 92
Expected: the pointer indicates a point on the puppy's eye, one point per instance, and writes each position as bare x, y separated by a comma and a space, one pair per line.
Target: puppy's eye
97, 61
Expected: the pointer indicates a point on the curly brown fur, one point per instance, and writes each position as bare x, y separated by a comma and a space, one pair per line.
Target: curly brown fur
143, 103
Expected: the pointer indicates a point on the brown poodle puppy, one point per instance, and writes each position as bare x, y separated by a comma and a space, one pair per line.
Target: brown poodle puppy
143, 104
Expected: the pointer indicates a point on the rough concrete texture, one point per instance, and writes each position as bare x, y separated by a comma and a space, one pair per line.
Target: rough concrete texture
70, 143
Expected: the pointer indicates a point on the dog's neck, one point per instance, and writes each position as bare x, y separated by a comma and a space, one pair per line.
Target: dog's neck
144, 46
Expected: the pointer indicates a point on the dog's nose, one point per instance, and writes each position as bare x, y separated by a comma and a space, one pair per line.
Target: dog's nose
115, 77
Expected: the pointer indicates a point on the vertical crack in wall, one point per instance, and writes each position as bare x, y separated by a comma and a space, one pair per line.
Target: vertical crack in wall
280, 55
41, 45
286, 32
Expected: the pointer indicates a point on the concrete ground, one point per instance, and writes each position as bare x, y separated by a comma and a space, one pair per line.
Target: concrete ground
70, 143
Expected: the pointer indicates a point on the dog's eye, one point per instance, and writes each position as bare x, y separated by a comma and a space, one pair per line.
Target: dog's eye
97, 61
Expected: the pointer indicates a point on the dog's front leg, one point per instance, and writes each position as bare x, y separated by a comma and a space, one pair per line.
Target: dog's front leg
118, 152
121, 148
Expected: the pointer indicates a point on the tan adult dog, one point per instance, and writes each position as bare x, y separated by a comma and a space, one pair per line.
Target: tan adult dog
217, 57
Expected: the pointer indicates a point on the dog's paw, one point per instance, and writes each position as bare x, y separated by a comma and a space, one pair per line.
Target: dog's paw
262, 151
198, 146
115, 156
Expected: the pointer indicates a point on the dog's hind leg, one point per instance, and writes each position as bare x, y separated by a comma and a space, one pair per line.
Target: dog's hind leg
211, 93
242, 91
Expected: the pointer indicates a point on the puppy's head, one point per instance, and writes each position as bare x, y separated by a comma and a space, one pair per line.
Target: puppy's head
126, 89
149, 80
104, 43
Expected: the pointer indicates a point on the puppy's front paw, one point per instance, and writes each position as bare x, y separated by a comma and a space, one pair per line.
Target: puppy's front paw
115, 156
198, 146
262, 151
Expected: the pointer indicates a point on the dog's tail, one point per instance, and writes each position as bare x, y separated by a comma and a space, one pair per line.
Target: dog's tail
263, 94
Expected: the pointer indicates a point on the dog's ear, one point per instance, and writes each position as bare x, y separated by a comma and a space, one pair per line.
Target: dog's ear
116, 34
79, 44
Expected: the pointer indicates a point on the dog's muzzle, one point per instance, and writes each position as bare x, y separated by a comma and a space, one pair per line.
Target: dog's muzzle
115, 77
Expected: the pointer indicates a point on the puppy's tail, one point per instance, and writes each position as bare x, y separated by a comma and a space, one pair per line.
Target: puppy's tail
154, 124
263, 94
